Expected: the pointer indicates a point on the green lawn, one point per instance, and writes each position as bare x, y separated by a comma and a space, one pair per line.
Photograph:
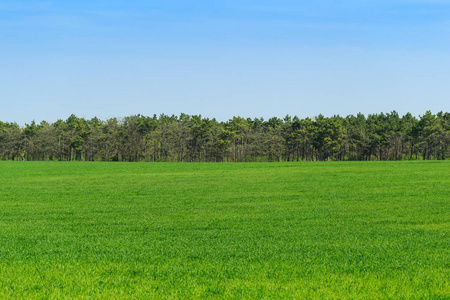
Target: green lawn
361, 230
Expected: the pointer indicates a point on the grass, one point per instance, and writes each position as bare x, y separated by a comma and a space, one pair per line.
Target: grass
364, 230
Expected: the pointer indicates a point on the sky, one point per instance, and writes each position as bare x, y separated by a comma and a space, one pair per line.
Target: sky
252, 58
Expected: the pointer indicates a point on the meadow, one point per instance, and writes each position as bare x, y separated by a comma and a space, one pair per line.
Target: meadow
358, 230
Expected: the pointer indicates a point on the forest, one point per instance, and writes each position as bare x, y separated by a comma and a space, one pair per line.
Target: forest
193, 138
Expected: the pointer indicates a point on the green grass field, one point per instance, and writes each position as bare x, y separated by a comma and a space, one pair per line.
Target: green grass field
363, 230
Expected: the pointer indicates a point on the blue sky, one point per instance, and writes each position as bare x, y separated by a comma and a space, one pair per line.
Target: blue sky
222, 58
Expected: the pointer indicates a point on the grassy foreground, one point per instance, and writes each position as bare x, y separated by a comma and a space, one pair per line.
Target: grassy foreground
254, 230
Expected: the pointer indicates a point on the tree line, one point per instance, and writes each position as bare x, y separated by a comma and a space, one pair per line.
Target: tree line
192, 138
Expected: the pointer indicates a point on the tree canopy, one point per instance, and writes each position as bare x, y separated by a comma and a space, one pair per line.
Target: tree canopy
190, 138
